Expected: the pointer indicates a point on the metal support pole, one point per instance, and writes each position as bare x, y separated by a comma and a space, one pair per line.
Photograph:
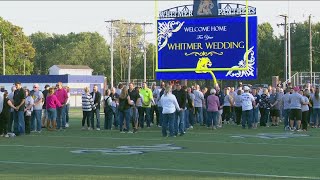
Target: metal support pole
111, 42
129, 67
289, 53
144, 51
285, 45
4, 57
310, 48
144, 55
24, 66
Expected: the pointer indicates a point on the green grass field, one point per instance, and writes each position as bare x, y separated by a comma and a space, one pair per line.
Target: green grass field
205, 154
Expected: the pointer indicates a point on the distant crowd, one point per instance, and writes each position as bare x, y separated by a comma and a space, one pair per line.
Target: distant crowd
173, 108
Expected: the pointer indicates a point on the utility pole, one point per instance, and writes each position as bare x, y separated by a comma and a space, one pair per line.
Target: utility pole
24, 65
289, 53
144, 50
285, 45
310, 48
3, 55
111, 42
130, 34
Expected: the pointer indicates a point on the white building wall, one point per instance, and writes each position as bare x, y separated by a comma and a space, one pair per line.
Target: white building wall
55, 70
75, 72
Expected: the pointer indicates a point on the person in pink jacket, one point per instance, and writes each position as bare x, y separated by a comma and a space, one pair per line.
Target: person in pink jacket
52, 103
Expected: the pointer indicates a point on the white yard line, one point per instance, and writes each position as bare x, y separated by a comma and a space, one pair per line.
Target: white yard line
182, 140
159, 169
169, 151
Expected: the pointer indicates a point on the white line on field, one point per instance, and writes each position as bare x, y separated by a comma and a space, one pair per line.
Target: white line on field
226, 134
159, 169
178, 152
181, 140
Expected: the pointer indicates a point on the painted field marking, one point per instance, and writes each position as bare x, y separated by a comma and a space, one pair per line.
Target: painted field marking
184, 140
124, 150
158, 169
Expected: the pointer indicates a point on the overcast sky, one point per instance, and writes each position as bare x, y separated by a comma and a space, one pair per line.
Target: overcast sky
77, 16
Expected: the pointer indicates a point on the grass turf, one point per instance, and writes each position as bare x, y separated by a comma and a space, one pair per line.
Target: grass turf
206, 154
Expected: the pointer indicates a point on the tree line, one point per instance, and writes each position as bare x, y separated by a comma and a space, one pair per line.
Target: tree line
41, 50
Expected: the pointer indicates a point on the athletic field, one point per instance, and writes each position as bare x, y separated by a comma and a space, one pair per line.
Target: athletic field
227, 153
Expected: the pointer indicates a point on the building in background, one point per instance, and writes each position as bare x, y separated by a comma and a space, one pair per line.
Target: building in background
76, 77
70, 69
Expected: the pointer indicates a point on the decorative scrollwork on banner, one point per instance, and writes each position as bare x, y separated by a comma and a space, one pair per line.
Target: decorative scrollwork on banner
165, 31
242, 64
203, 53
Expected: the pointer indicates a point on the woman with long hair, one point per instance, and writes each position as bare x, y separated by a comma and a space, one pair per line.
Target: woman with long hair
316, 107
169, 106
124, 110
305, 109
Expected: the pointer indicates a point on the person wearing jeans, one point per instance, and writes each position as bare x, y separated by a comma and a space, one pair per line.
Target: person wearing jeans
28, 111
36, 118
96, 95
18, 114
316, 108
198, 102
124, 109
62, 96
181, 96
169, 106
248, 102
67, 106
213, 105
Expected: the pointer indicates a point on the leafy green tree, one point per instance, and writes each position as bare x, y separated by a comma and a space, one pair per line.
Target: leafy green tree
18, 49
73, 49
270, 59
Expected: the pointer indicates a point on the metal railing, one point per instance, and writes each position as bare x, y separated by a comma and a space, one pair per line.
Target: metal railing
302, 78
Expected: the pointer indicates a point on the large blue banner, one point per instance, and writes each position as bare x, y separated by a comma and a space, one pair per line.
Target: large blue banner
205, 43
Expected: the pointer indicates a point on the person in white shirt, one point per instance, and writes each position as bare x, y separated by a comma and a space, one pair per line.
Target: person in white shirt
247, 102
169, 106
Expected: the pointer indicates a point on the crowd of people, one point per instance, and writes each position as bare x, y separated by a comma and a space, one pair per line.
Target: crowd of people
24, 111
172, 107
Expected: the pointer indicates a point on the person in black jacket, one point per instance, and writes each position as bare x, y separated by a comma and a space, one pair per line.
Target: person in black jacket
181, 96
96, 95
5, 115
